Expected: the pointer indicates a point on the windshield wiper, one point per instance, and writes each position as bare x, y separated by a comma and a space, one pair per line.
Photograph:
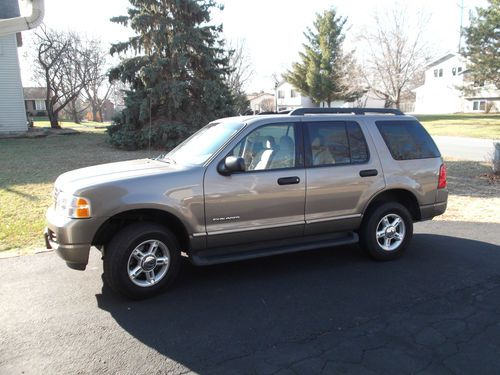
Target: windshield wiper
164, 159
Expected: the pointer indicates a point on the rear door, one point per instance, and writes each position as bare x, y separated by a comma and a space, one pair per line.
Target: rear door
266, 201
342, 170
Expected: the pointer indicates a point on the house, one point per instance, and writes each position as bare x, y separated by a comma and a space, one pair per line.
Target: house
107, 111
441, 91
12, 111
35, 101
262, 102
289, 98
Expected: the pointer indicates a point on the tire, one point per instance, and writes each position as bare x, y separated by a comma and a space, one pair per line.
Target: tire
141, 260
380, 238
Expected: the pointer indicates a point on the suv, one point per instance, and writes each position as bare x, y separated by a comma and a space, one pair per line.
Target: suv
247, 187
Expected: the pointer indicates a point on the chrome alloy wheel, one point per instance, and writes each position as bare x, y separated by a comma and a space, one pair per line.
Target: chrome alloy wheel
390, 232
148, 263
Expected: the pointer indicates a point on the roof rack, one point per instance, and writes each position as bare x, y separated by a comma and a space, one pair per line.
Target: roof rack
356, 111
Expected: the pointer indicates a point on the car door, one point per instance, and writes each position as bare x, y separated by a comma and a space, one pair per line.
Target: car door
264, 202
342, 172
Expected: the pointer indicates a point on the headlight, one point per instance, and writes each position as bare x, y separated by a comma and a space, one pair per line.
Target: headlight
71, 206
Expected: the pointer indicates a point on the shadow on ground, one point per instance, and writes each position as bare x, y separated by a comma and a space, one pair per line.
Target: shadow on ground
332, 310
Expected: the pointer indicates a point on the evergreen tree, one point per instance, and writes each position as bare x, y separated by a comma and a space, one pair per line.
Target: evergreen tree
325, 73
176, 73
483, 45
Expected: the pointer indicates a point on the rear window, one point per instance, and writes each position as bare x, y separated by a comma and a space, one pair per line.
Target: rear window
407, 140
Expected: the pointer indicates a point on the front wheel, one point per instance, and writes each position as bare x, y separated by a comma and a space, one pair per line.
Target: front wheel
386, 233
141, 260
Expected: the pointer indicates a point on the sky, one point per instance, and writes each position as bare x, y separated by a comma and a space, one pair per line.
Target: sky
272, 30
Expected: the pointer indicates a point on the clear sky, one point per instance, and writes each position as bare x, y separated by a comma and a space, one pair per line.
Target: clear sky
272, 29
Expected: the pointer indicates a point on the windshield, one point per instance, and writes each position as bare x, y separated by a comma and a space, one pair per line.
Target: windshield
198, 148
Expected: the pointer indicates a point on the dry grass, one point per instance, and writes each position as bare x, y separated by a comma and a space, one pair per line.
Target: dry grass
473, 196
463, 125
28, 169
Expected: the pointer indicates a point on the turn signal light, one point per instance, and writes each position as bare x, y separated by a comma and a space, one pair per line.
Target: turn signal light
82, 209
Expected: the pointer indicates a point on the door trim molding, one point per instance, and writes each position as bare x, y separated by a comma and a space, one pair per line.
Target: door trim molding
255, 228
323, 219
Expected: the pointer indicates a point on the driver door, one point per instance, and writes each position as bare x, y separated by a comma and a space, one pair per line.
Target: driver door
266, 201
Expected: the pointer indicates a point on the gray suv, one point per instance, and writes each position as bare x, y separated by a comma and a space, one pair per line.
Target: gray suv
246, 187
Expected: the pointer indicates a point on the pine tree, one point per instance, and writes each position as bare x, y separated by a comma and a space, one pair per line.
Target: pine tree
177, 72
325, 71
483, 45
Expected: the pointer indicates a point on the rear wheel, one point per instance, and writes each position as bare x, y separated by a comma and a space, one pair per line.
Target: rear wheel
386, 233
141, 260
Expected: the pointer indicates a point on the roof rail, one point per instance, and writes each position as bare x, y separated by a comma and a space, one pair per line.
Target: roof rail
356, 111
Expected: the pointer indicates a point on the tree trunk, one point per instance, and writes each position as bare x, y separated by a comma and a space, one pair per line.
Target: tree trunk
54, 123
53, 118
100, 115
94, 113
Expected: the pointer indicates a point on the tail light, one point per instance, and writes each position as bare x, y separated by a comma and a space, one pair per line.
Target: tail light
442, 177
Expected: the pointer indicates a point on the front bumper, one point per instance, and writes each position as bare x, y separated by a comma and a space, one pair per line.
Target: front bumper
71, 239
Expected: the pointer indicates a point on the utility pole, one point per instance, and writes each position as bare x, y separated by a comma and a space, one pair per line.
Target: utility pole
461, 6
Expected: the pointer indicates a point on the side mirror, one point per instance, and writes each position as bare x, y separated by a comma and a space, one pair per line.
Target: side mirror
230, 165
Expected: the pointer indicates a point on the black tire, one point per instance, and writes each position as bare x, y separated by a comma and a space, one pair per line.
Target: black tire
118, 252
368, 231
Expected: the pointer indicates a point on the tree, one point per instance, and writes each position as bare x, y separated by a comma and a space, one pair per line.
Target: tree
75, 110
177, 74
324, 72
396, 55
61, 65
267, 105
483, 45
239, 75
98, 89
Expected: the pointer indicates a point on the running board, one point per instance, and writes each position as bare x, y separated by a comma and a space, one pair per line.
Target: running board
206, 260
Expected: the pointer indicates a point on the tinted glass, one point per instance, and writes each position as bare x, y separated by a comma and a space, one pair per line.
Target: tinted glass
333, 143
407, 140
268, 147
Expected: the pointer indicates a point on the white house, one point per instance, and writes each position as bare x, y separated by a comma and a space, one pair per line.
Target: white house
441, 91
261, 102
288, 98
12, 110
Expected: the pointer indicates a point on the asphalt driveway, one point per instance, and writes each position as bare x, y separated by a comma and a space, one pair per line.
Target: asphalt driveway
435, 311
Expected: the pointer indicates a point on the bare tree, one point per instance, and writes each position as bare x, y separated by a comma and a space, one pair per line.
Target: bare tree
75, 110
99, 89
267, 105
62, 65
241, 73
396, 55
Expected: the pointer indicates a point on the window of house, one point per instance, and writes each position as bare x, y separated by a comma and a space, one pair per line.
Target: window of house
479, 105
281, 94
435, 72
293, 93
454, 71
268, 147
407, 140
40, 105
441, 72
459, 69
336, 143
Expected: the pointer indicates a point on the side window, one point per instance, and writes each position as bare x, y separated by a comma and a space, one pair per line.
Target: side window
268, 147
407, 140
333, 143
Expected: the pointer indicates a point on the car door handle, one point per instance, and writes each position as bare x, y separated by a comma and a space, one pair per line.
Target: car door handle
288, 180
368, 173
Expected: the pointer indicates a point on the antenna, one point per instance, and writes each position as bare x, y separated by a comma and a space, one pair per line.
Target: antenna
149, 137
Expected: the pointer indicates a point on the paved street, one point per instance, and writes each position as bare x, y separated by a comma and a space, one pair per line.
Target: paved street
465, 148
435, 311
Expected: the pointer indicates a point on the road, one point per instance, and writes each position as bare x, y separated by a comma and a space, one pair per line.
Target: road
434, 311
465, 148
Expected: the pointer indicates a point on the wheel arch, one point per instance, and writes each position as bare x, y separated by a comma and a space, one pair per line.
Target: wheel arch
402, 196
118, 221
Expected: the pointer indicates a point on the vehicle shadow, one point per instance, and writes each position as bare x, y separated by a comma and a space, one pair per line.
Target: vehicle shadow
219, 313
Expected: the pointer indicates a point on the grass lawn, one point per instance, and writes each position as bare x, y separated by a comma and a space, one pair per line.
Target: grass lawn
28, 169
463, 125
